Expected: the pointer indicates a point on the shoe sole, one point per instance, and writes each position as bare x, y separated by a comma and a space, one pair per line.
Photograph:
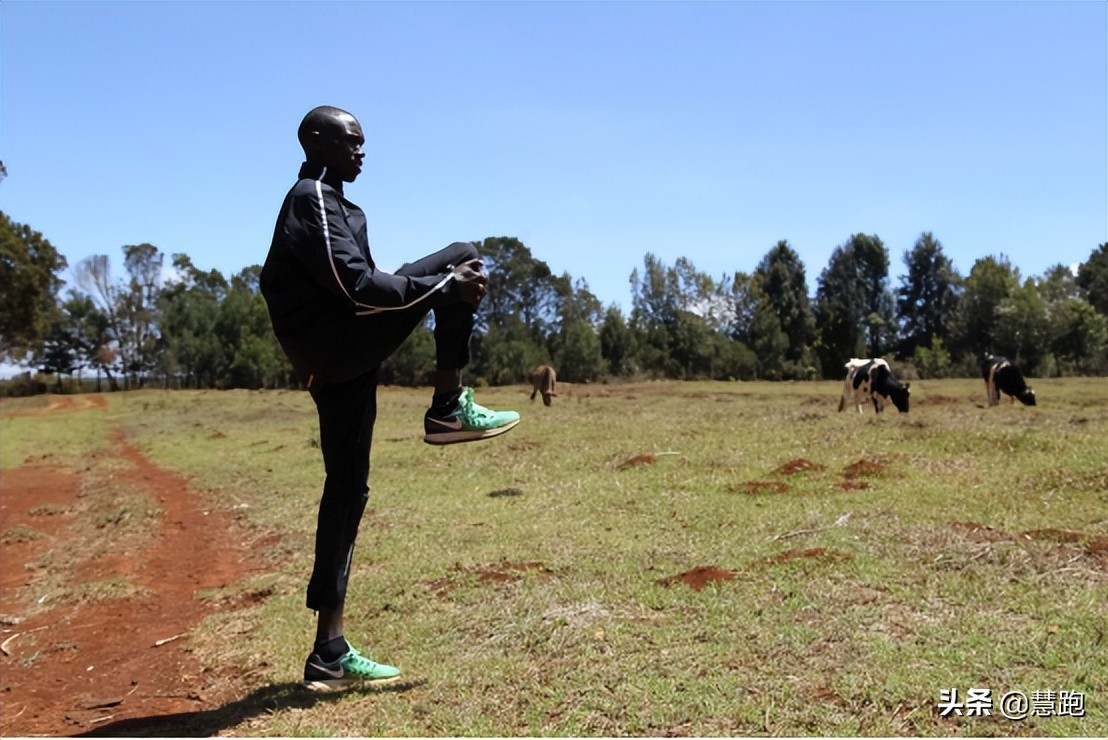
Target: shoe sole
469, 435
338, 684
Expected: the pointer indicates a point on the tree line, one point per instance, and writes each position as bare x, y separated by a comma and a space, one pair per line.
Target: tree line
190, 328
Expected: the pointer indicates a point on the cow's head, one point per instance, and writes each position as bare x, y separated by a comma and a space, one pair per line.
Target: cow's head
900, 397
1027, 398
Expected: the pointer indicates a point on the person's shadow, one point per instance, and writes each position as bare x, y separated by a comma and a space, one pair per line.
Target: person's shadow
210, 722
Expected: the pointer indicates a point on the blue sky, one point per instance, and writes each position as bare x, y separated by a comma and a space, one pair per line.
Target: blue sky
596, 132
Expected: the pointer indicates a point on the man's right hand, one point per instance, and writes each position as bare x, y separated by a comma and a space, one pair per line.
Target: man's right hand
472, 282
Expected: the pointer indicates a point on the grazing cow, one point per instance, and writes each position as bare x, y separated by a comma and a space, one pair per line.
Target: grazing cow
873, 380
1001, 375
542, 381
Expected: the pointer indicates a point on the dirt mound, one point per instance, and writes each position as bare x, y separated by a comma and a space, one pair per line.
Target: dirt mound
799, 465
1095, 547
863, 468
1052, 534
637, 461
496, 574
505, 492
763, 486
698, 577
940, 400
979, 532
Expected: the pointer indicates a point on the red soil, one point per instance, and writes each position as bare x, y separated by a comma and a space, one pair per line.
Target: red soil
74, 665
799, 465
765, 486
698, 577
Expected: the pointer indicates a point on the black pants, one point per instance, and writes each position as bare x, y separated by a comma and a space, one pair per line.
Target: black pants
348, 409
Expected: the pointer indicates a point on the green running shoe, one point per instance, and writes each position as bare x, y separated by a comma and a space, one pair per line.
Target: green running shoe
353, 667
467, 423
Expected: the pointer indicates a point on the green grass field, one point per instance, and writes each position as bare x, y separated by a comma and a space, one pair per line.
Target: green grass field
533, 585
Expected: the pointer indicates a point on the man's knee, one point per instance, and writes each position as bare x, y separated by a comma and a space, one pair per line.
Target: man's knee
463, 252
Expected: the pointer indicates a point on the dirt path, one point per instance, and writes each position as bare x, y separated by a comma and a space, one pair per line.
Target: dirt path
75, 659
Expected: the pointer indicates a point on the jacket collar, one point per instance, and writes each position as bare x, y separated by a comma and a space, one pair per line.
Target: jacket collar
316, 171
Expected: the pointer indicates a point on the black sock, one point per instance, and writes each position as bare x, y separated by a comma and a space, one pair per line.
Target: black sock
331, 650
443, 404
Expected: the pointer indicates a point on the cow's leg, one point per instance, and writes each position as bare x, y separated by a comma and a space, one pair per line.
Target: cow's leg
991, 387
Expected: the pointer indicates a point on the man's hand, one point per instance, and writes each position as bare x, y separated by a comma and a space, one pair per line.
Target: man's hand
472, 282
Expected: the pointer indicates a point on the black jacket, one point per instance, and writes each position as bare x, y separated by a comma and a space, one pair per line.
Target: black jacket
319, 266
319, 275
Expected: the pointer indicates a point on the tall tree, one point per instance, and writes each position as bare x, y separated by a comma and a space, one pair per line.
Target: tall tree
1092, 276
77, 335
57, 355
653, 310
927, 296
784, 287
1079, 338
854, 306
576, 346
519, 286
29, 283
1020, 329
617, 343
700, 294
1058, 284
243, 326
990, 281
130, 306
745, 297
677, 315
872, 259
94, 276
757, 325
137, 309
506, 353
189, 307
652, 303
579, 359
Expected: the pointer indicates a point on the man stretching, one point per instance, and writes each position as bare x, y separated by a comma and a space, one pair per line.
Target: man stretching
338, 317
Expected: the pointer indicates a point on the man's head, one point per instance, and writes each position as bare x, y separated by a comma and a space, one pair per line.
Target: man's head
332, 137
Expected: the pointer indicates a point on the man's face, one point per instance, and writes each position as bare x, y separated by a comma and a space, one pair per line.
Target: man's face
341, 149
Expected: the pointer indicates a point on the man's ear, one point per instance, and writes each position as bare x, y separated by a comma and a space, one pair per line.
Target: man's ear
311, 142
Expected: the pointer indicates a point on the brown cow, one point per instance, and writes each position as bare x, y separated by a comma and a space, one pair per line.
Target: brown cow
542, 381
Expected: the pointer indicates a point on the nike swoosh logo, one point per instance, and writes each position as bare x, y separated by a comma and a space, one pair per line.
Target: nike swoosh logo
324, 669
455, 425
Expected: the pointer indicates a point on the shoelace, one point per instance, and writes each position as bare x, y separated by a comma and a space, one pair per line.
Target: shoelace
471, 407
360, 660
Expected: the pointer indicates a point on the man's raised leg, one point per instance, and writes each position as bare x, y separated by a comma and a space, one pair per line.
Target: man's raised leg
453, 416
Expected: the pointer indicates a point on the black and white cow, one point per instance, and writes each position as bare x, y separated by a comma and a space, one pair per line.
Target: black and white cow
872, 380
1001, 375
